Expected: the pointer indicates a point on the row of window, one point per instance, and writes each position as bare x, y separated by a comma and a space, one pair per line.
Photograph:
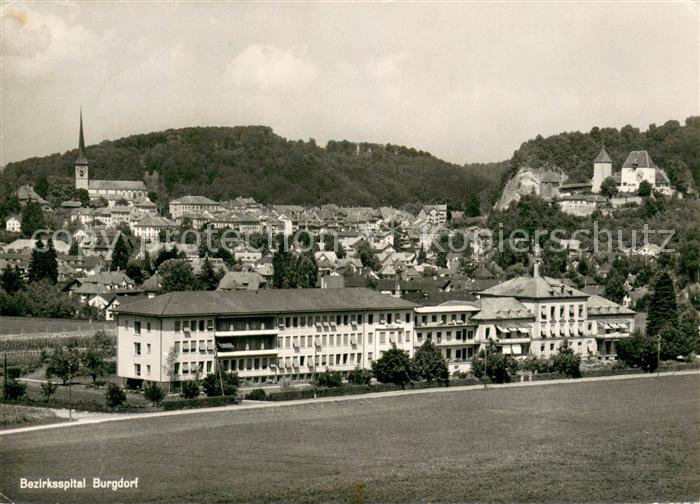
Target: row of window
458, 318
137, 369
200, 325
460, 335
192, 367
194, 346
571, 310
348, 319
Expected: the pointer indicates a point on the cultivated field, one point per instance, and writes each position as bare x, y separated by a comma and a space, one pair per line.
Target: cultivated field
48, 326
634, 440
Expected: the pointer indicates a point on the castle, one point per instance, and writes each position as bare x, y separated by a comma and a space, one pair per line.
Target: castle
637, 167
111, 190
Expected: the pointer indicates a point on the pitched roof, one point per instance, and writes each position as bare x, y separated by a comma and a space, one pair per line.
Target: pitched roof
501, 308
638, 159
82, 157
268, 301
117, 185
603, 157
598, 305
533, 288
241, 280
193, 200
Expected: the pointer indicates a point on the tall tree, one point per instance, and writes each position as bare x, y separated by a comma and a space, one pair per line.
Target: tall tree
12, 279
51, 262
208, 278
177, 275
663, 310
430, 365
120, 255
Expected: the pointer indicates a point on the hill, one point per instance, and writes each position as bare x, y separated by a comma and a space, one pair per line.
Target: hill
222, 163
672, 146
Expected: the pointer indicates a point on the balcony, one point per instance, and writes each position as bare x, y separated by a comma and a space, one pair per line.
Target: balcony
254, 327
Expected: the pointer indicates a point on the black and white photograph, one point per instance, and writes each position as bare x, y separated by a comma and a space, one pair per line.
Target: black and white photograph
357, 252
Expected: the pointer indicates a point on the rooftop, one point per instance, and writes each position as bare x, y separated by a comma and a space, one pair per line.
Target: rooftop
271, 301
533, 288
638, 159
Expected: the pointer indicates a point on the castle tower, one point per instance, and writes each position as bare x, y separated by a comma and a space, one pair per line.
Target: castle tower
81, 164
602, 169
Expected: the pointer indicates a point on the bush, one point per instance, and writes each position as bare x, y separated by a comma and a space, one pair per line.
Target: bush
257, 394
48, 389
394, 367
430, 365
189, 389
213, 383
115, 395
567, 362
13, 372
359, 376
638, 351
152, 392
492, 363
329, 379
15, 390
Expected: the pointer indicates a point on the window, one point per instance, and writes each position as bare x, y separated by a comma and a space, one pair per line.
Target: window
370, 318
176, 368
382, 338
210, 325
148, 327
345, 339
288, 322
137, 327
209, 367
177, 326
137, 348
193, 346
126, 323
359, 318
580, 311
302, 321
137, 369
338, 319
370, 337
388, 318
177, 347
148, 348
551, 312
185, 327
419, 336
488, 332
543, 313
370, 357
148, 369
345, 320
201, 325
408, 317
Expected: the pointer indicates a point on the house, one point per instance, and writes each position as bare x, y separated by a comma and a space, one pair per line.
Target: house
13, 224
581, 205
242, 280
103, 284
26, 193
191, 205
150, 226
433, 214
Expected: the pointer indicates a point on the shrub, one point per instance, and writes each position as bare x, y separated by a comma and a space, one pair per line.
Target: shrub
638, 351
492, 363
394, 367
567, 362
257, 394
329, 379
115, 395
13, 372
48, 389
213, 383
189, 389
152, 392
359, 376
15, 390
430, 364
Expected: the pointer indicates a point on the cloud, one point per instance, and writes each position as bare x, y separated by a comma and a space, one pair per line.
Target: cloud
271, 69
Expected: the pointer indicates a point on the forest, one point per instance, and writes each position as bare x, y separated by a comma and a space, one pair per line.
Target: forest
225, 162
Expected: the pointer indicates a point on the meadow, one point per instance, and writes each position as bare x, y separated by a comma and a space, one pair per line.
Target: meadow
635, 440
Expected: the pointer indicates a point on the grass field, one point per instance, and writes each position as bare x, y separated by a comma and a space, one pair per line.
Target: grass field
15, 415
635, 440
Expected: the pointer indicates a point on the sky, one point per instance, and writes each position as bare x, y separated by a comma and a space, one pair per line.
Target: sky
468, 82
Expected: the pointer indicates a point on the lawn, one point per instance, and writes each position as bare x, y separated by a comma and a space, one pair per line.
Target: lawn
633, 440
17, 416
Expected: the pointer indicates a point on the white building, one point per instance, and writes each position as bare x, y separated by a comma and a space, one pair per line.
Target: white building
264, 335
13, 224
602, 169
191, 205
639, 167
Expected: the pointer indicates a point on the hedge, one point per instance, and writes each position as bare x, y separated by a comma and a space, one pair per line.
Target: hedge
198, 402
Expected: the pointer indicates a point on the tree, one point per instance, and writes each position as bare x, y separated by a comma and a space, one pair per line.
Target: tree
134, 272
50, 263
208, 278
645, 189
120, 255
115, 396
83, 196
177, 275
663, 309
147, 268
422, 256
582, 267
329, 379
638, 351
430, 365
567, 362
609, 187
366, 254
93, 360
394, 367
213, 383
473, 207
190, 389
64, 363
48, 389
41, 187
491, 362
12, 279
32, 218
615, 285
359, 376
689, 261
170, 366
14, 390
152, 392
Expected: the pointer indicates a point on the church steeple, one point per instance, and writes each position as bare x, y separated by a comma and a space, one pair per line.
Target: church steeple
81, 164
82, 157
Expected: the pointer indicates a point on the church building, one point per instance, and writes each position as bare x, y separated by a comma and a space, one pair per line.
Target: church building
111, 190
